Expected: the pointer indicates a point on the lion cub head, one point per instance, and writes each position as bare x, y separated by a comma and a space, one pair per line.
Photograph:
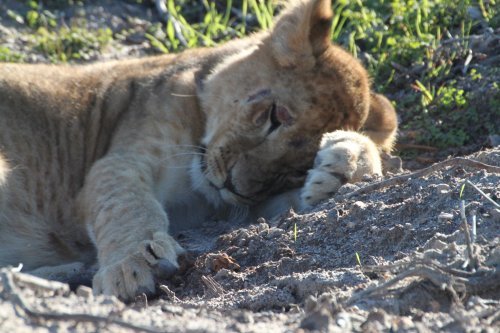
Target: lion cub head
268, 105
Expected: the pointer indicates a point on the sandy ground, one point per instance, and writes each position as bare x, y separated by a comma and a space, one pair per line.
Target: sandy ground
415, 271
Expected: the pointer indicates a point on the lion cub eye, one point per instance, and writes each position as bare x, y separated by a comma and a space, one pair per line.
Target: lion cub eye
279, 115
275, 114
275, 123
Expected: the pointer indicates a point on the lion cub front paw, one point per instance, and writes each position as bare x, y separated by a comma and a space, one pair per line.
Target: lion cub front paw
344, 156
134, 273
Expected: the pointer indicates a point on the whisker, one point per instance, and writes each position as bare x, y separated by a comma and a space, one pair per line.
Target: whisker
181, 95
182, 154
187, 146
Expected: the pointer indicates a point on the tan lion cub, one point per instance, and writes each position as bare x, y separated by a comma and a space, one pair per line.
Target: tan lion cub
97, 161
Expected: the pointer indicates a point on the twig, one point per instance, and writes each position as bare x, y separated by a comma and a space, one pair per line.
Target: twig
34, 282
10, 288
482, 193
473, 261
457, 161
214, 288
493, 318
444, 277
437, 278
169, 293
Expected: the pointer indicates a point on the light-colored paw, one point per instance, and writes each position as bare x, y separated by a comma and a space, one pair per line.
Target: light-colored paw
344, 156
135, 272
320, 185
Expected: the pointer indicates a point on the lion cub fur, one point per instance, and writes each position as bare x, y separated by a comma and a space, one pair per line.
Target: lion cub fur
96, 161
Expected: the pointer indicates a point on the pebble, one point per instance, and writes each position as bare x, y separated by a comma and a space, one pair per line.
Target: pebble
360, 205
443, 217
443, 188
84, 291
347, 188
435, 244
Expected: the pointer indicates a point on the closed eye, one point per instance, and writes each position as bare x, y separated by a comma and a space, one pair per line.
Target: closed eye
275, 123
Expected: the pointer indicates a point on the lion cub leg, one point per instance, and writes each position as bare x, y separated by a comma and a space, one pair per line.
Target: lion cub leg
128, 225
343, 157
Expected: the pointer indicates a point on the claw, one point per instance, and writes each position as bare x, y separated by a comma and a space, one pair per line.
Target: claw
165, 268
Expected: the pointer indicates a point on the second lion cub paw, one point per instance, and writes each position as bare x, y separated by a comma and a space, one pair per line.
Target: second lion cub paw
344, 156
135, 271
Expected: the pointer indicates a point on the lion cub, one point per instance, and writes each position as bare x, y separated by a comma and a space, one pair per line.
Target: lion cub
98, 162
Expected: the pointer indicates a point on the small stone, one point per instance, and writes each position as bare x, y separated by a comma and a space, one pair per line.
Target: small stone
275, 232
360, 205
351, 225
262, 226
443, 217
435, 244
347, 188
84, 291
443, 188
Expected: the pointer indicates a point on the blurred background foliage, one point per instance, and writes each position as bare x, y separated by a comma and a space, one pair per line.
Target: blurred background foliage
438, 60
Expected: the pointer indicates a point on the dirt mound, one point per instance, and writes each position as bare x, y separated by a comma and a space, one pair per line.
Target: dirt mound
395, 258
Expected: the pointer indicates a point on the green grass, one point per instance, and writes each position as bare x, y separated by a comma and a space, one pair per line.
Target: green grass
405, 45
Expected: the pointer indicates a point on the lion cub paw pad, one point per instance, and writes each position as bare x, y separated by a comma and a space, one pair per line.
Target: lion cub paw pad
135, 272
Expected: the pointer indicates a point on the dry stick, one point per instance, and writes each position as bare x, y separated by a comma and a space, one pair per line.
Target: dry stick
493, 318
439, 279
169, 293
419, 260
473, 260
482, 193
437, 274
34, 282
457, 161
15, 294
214, 288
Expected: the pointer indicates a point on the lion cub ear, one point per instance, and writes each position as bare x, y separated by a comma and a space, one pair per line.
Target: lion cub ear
302, 32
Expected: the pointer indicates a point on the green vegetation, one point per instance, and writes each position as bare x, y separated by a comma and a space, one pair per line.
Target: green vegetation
418, 52
74, 43
10, 56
